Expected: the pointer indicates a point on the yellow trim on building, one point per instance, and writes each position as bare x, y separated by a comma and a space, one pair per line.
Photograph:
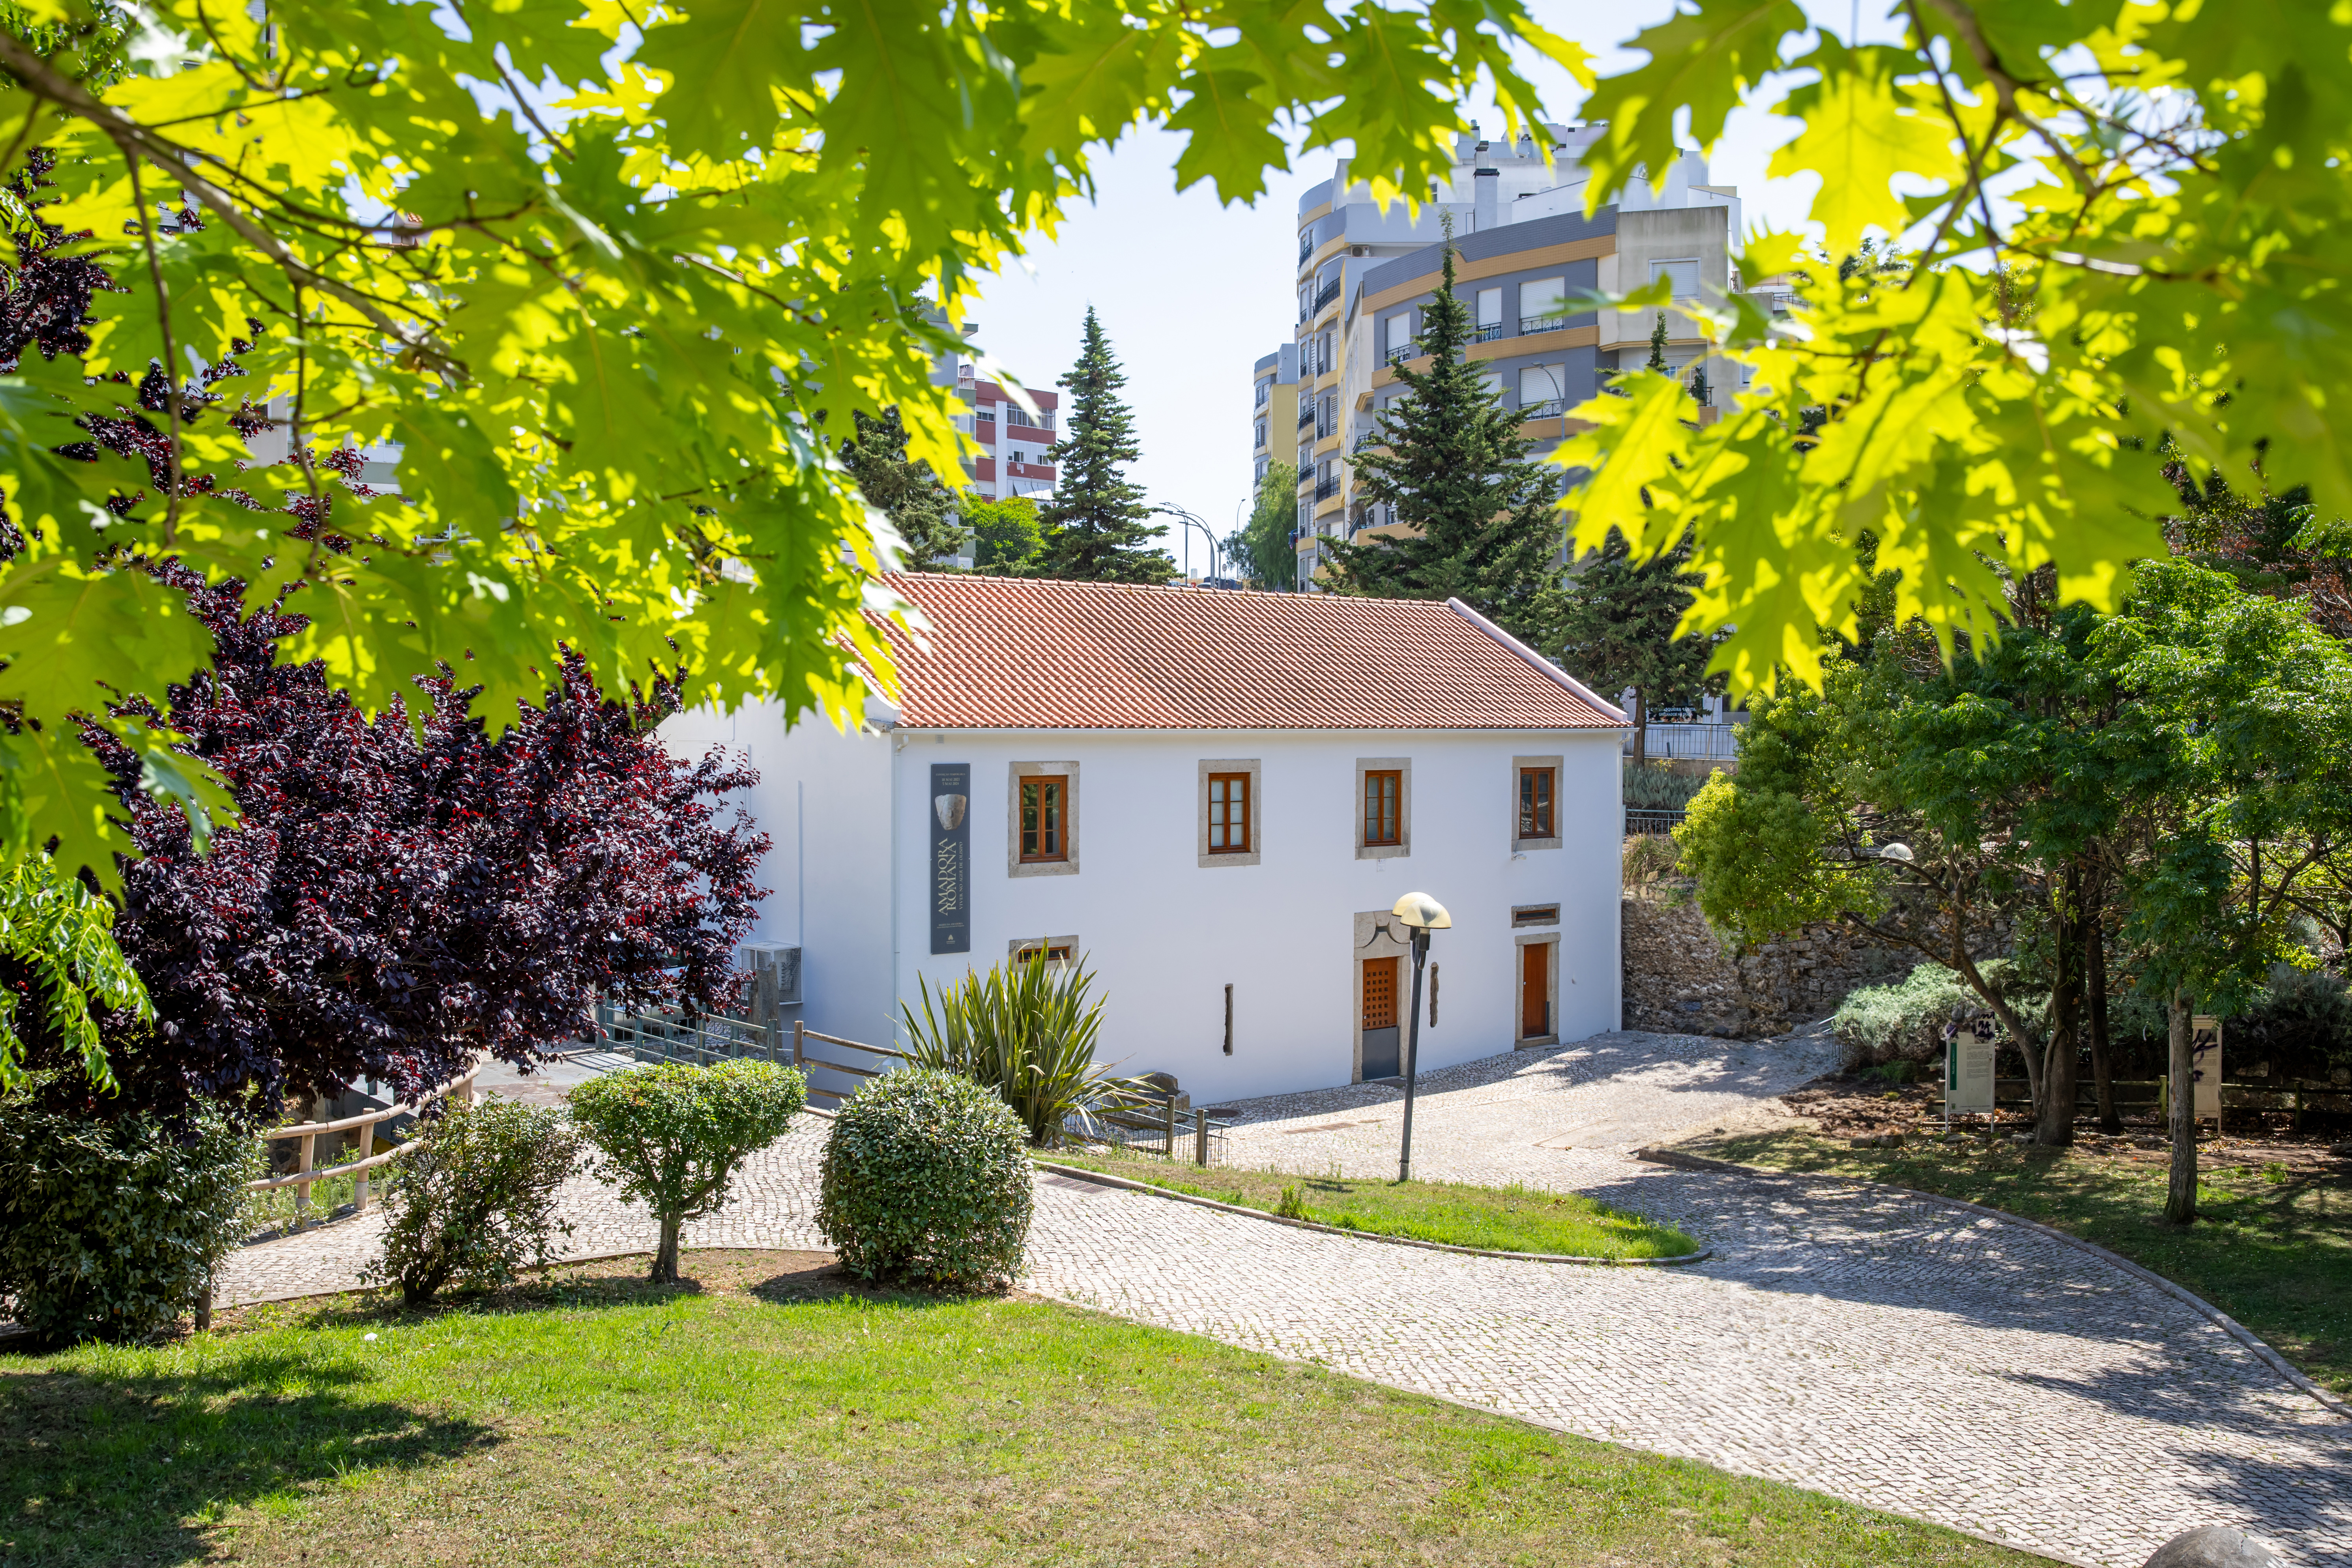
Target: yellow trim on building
1597, 246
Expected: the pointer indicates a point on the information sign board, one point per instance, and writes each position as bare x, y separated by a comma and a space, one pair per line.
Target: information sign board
951, 858
2205, 1065
1968, 1068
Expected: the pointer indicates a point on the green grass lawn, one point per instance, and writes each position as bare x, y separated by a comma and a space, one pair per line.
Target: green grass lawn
2273, 1247
767, 1414
1506, 1220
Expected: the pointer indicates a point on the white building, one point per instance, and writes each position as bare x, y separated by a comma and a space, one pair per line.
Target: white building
1214, 798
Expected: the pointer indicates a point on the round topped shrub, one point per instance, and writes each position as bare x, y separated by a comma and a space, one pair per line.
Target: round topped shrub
927, 1177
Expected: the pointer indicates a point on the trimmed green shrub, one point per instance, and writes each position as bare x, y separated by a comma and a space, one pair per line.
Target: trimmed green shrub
475, 1202
112, 1230
1026, 1030
673, 1136
1905, 1021
927, 1176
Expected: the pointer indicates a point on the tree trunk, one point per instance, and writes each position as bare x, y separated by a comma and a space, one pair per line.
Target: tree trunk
2102, 1067
1641, 732
2180, 1197
666, 1260
2062, 1054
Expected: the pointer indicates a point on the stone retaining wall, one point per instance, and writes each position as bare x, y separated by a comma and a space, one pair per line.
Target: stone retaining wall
1680, 976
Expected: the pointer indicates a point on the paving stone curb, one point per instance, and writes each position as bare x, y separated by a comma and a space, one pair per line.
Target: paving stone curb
2220, 1320
1082, 1173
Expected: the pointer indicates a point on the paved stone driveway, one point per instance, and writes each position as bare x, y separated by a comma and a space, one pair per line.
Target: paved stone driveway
1880, 1347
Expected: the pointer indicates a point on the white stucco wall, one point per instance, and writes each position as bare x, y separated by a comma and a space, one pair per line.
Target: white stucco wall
1163, 934
1166, 935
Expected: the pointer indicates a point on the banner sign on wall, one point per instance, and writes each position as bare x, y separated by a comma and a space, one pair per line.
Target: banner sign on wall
951, 857
2205, 1065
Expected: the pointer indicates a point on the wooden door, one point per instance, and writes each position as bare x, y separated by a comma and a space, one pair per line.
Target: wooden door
1535, 990
1381, 1052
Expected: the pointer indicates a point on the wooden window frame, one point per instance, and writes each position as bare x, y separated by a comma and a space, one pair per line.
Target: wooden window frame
1367, 846
1384, 824
1064, 864
1058, 949
1544, 809
1053, 803
1249, 770
1521, 768
1232, 822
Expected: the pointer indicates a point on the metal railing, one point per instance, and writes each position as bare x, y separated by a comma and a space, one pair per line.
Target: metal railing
1326, 488
1542, 324
1694, 742
1550, 407
1326, 294
1487, 334
1164, 1128
1398, 356
1642, 819
672, 1038
1306, 417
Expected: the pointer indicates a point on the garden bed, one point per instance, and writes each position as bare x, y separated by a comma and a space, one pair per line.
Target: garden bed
769, 1410
1495, 1219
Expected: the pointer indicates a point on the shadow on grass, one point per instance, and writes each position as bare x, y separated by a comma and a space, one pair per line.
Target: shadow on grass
99, 1468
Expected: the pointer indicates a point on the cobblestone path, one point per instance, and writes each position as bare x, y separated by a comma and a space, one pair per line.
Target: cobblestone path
1878, 1346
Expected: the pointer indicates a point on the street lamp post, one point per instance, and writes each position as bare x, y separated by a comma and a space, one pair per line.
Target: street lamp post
1422, 914
1181, 516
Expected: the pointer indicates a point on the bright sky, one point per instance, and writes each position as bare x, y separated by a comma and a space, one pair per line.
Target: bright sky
1193, 294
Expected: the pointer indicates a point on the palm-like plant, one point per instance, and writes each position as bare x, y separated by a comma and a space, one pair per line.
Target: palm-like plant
1027, 1030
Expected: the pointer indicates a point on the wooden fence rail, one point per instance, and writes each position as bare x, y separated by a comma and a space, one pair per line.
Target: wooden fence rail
801, 1058
364, 1124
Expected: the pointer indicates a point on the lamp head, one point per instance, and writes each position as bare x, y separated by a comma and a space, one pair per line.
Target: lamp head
1896, 852
1423, 912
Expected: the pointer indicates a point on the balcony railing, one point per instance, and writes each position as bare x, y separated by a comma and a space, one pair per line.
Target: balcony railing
1488, 333
1306, 417
1306, 246
1398, 356
1549, 408
1326, 294
1542, 324
1326, 488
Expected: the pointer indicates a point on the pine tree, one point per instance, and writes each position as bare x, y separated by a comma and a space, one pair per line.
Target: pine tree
1657, 360
1487, 527
907, 492
1616, 629
1095, 528
1699, 388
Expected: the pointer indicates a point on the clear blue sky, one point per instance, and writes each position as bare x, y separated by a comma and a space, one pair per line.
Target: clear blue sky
1193, 293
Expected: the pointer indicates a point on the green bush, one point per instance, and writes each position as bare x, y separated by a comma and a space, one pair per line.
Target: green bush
1660, 788
1028, 1032
476, 1203
112, 1230
927, 1176
1905, 1021
673, 1136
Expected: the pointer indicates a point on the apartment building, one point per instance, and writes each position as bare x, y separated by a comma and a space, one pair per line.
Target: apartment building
1013, 440
1524, 250
1274, 410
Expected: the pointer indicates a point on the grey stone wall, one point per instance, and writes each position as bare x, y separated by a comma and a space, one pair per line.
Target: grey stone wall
1681, 976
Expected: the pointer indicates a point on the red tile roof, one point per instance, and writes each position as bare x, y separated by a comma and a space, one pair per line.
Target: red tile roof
1022, 654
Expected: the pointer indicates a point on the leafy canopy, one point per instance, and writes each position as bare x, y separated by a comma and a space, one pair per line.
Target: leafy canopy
597, 268
2175, 180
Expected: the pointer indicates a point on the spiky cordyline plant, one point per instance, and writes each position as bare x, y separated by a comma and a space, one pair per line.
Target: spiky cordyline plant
1027, 1030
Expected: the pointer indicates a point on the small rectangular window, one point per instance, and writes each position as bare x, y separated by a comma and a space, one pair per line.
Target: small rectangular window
1229, 814
1383, 813
1536, 802
1054, 955
1535, 914
1044, 805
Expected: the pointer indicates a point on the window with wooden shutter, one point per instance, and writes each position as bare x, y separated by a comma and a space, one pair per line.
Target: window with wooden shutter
1045, 806
1229, 814
1536, 802
1383, 806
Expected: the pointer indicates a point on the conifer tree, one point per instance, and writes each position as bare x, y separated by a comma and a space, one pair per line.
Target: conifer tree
1457, 471
907, 492
1617, 629
1095, 526
1657, 360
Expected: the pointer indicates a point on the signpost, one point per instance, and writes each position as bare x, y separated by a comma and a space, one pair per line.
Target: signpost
2205, 1066
1967, 1068
951, 857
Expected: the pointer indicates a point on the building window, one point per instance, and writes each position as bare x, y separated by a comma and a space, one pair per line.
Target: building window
1229, 814
1264, 391
1685, 275
1053, 950
1535, 786
1041, 822
1384, 807
1045, 819
1543, 304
